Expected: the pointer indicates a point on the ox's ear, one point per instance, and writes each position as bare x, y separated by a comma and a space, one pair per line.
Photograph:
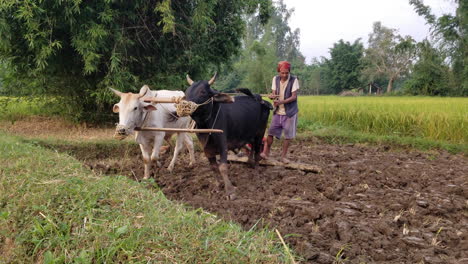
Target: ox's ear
149, 107
223, 98
115, 109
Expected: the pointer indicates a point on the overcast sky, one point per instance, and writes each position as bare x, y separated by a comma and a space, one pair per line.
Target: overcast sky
323, 23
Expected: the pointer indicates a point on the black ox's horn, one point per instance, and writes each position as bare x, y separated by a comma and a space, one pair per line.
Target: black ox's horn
212, 80
190, 82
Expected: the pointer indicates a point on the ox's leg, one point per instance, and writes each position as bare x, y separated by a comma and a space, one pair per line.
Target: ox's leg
257, 149
178, 147
215, 167
146, 151
165, 149
189, 144
223, 170
158, 140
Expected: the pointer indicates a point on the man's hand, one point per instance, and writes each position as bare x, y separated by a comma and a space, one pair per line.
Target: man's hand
276, 103
272, 96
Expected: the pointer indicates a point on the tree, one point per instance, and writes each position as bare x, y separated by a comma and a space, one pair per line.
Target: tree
389, 55
451, 36
311, 77
78, 48
430, 74
265, 45
343, 69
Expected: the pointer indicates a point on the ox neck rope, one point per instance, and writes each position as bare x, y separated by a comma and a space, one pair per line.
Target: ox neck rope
144, 119
170, 113
214, 122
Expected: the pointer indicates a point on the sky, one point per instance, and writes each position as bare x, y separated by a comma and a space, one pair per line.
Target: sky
324, 22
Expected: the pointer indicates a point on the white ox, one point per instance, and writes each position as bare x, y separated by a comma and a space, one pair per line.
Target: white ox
133, 112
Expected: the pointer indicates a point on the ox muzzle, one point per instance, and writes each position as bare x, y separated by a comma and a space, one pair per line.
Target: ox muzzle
186, 108
121, 132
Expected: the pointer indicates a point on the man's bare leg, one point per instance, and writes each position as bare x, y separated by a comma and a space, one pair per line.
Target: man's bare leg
284, 153
266, 150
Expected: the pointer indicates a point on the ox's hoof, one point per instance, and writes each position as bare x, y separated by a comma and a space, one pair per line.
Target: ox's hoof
231, 194
251, 163
170, 169
232, 197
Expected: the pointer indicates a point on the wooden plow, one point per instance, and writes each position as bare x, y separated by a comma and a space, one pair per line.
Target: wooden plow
271, 162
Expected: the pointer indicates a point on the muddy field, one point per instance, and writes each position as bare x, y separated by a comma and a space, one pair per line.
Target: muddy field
371, 204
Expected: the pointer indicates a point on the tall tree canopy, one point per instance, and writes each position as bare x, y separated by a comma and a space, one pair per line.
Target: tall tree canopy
77, 47
343, 69
451, 35
264, 46
430, 75
389, 55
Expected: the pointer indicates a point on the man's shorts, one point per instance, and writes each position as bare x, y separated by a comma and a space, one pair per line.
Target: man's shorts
283, 123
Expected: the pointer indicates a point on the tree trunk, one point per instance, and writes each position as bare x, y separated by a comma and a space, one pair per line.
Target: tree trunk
390, 85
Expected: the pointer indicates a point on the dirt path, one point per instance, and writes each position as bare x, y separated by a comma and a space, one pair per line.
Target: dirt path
371, 204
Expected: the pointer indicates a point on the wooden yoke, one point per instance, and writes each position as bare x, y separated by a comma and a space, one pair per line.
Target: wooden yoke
158, 100
183, 130
262, 95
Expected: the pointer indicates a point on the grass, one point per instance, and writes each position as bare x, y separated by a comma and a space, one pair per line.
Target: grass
53, 210
439, 119
340, 135
17, 108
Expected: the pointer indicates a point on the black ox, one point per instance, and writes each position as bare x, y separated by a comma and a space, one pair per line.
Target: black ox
242, 118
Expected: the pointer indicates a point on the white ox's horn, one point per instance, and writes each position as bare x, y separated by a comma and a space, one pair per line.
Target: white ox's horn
212, 80
116, 92
190, 82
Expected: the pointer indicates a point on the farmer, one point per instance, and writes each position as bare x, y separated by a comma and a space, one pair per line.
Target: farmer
284, 93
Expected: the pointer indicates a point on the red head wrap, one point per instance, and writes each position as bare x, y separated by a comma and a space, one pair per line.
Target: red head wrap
284, 65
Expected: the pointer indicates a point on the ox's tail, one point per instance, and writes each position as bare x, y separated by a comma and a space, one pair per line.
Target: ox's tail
257, 97
246, 92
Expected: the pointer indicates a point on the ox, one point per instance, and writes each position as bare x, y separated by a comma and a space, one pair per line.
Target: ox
133, 112
242, 118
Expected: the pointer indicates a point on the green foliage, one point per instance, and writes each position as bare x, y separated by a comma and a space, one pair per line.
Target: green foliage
343, 69
77, 49
312, 80
430, 74
450, 33
264, 46
17, 108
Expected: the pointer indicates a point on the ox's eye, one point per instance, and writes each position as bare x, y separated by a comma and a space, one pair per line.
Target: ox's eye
134, 109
